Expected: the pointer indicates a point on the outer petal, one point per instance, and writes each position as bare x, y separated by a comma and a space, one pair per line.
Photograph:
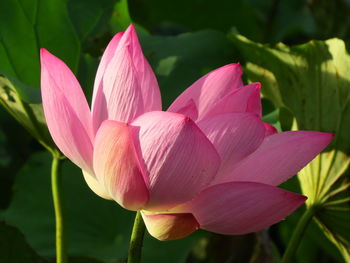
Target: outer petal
96, 186
106, 58
242, 207
234, 135
244, 99
126, 87
117, 165
170, 226
180, 160
269, 129
209, 89
279, 157
66, 111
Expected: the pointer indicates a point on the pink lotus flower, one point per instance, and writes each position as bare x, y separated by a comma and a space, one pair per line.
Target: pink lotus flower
208, 162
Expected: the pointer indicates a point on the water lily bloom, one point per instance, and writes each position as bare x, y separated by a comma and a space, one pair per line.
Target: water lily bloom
207, 162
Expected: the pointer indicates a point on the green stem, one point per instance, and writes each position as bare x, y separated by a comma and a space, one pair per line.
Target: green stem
298, 234
136, 240
56, 181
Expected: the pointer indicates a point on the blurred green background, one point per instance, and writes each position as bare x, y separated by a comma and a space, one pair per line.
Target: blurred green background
182, 40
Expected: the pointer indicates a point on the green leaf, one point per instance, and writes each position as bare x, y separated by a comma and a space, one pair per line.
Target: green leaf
97, 228
90, 17
273, 119
312, 81
86, 260
260, 20
180, 60
314, 246
14, 248
27, 26
121, 18
30, 25
30, 116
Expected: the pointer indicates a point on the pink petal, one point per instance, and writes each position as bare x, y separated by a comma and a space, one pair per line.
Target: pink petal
117, 165
269, 129
189, 110
170, 226
209, 89
244, 99
180, 159
279, 157
234, 135
106, 58
66, 111
126, 87
254, 101
242, 207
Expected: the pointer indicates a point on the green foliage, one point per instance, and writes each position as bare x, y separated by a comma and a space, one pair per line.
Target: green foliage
260, 20
121, 17
90, 17
180, 60
14, 248
27, 26
30, 116
307, 84
97, 228
312, 82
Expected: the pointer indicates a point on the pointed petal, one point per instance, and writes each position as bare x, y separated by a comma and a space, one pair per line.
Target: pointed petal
106, 58
66, 111
180, 159
170, 226
126, 87
189, 110
269, 129
279, 157
95, 186
209, 89
119, 96
117, 165
244, 99
234, 135
254, 101
148, 83
242, 207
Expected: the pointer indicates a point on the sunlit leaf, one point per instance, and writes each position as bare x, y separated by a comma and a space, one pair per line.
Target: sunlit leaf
314, 246
312, 81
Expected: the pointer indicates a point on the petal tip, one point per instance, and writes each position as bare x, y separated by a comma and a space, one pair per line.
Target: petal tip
43, 51
255, 85
299, 197
131, 27
299, 200
234, 67
295, 199
326, 137
44, 55
116, 38
130, 30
